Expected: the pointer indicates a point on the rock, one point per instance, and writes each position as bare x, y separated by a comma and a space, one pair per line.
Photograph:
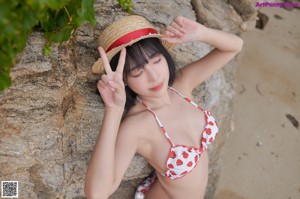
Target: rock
262, 20
232, 16
259, 144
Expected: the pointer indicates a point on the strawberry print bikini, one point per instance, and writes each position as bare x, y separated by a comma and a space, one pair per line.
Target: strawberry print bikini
182, 159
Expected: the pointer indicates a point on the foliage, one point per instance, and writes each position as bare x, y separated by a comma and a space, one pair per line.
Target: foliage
58, 18
126, 5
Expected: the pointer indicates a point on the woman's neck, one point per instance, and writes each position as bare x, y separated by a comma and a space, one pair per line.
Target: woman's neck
157, 102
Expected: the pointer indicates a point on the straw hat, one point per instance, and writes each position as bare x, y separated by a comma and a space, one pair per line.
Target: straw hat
125, 32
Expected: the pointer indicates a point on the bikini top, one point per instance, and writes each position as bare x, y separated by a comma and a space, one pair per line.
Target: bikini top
183, 159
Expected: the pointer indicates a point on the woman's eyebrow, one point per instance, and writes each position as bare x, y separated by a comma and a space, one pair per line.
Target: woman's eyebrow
134, 68
137, 66
155, 54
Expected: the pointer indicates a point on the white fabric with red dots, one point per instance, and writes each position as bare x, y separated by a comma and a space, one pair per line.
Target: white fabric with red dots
183, 159
145, 185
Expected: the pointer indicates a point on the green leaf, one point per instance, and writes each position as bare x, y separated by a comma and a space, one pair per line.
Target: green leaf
90, 11
62, 35
56, 4
62, 18
47, 50
37, 4
84, 13
47, 23
5, 80
126, 5
29, 21
58, 18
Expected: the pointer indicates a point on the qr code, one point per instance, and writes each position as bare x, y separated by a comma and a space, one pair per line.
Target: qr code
9, 189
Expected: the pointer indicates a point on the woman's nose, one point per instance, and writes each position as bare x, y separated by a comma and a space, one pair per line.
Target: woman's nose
152, 74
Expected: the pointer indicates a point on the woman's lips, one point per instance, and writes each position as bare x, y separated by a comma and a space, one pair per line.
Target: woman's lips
158, 87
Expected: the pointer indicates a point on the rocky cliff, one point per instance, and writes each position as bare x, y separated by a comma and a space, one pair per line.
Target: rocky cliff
50, 116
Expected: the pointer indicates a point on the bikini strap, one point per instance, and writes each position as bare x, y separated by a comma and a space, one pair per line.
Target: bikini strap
158, 121
186, 98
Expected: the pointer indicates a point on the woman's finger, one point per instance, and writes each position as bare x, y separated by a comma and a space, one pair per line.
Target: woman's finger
174, 31
106, 81
179, 20
166, 33
101, 85
178, 27
105, 60
111, 85
104, 78
116, 86
121, 62
171, 39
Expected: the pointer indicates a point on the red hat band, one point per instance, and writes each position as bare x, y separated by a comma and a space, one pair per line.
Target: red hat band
131, 36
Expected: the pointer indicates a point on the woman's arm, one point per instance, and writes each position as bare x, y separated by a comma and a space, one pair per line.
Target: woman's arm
227, 45
113, 150
101, 168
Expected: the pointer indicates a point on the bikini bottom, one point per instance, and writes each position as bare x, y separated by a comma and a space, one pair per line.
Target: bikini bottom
145, 185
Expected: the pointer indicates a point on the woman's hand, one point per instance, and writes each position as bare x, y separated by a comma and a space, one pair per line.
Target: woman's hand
111, 86
183, 30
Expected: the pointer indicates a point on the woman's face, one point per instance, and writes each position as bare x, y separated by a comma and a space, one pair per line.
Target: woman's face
150, 80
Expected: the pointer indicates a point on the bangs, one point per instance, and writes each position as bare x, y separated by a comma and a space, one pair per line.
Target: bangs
138, 54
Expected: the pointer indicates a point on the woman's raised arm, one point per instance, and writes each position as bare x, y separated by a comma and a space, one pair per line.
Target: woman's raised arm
113, 150
227, 45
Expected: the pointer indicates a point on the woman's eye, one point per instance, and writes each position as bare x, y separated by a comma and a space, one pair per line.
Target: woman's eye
157, 60
136, 72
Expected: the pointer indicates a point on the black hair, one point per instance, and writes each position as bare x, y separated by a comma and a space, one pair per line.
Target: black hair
137, 55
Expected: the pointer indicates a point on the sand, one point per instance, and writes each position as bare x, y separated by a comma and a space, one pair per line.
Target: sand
261, 157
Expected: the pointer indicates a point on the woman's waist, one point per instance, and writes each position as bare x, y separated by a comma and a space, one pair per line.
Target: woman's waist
193, 183
189, 192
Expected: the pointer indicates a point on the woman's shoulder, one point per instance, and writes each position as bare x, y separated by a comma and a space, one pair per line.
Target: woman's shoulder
136, 119
136, 113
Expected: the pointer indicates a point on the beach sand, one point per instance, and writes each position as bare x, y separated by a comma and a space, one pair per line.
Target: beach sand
261, 157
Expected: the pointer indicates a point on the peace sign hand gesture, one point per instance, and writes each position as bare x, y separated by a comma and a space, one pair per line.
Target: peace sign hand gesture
111, 86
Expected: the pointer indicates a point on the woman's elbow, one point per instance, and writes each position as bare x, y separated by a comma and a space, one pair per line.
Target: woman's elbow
96, 195
240, 44
92, 193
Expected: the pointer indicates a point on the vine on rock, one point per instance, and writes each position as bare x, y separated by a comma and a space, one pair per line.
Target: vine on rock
126, 5
58, 18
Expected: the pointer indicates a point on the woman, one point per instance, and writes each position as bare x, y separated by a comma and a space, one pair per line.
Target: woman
161, 123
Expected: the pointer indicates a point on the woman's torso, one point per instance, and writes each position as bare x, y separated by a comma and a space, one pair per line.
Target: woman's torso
184, 124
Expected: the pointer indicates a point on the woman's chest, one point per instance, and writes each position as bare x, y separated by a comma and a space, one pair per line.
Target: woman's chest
184, 125
179, 127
